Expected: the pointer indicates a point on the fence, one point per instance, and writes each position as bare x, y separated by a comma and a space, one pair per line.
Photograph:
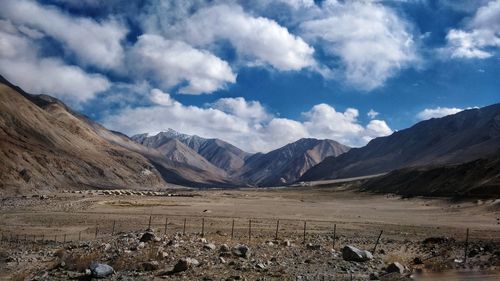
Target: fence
222, 228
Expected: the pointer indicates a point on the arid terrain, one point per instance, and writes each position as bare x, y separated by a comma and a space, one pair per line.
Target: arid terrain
122, 217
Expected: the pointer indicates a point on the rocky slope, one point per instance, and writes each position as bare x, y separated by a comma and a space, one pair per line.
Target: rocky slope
43, 146
479, 178
454, 139
286, 164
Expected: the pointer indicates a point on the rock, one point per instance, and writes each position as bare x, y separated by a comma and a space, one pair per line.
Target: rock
287, 243
147, 236
150, 266
209, 246
185, 264
241, 251
395, 267
418, 260
350, 253
260, 266
313, 247
101, 270
163, 255
224, 248
222, 260
374, 276
203, 240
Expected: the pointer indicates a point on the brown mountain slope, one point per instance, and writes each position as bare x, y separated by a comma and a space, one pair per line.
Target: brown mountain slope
43, 146
454, 139
479, 178
286, 164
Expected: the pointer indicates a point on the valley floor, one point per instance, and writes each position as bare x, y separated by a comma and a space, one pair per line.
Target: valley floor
358, 219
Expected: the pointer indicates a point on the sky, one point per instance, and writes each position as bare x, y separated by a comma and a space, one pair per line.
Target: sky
260, 73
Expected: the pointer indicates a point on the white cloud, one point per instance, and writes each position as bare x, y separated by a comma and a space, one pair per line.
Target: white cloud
251, 110
170, 62
258, 39
437, 112
95, 43
245, 123
370, 40
372, 114
479, 36
20, 64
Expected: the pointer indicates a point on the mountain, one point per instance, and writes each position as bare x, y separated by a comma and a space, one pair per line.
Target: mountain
286, 164
478, 178
220, 153
44, 146
453, 139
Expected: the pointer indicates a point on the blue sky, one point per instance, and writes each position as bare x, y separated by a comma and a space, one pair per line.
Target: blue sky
259, 73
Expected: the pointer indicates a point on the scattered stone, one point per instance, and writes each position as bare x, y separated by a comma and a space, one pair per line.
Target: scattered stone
148, 236
374, 276
260, 265
222, 260
310, 246
395, 267
209, 246
418, 260
100, 270
185, 264
437, 240
350, 253
287, 243
241, 251
224, 248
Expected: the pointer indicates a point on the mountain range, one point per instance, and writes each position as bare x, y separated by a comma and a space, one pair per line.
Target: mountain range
45, 145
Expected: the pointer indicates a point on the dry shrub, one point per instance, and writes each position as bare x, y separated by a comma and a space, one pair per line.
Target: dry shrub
21, 276
402, 255
80, 262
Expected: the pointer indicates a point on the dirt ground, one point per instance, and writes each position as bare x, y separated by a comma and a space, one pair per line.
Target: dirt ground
84, 216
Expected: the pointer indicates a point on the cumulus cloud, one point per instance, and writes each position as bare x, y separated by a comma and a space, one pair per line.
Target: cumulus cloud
372, 114
95, 43
20, 63
371, 41
479, 36
171, 62
437, 112
260, 40
245, 123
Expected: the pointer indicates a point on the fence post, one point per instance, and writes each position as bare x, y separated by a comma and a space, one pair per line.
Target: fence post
277, 229
79, 236
43, 237
334, 235
232, 230
113, 230
249, 230
202, 227
55, 238
64, 240
184, 227
305, 227
149, 224
376, 243
96, 230
466, 245
166, 223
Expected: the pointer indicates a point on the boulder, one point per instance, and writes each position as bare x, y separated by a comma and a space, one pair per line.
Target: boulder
100, 270
350, 253
209, 246
241, 251
395, 267
185, 264
148, 236
374, 276
224, 248
150, 266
